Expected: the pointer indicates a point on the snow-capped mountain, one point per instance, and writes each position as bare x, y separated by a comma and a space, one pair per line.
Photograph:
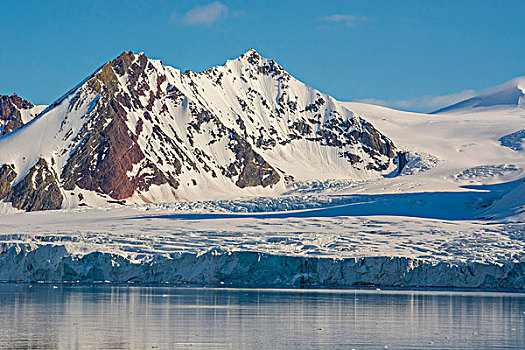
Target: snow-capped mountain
449, 214
508, 95
139, 131
15, 112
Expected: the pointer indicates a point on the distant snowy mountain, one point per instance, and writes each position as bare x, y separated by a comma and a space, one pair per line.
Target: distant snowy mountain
141, 132
510, 94
15, 112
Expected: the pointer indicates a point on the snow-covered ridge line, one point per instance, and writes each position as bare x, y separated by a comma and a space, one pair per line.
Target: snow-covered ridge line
22, 263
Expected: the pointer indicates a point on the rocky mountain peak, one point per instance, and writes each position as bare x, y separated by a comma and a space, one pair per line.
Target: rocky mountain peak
254, 64
15, 112
19, 102
252, 56
139, 131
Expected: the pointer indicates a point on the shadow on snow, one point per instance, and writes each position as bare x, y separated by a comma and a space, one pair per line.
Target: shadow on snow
466, 205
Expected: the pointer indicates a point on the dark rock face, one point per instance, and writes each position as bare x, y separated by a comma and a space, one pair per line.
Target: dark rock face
105, 155
376, 145
39, 190
338, 132
251, 168
10, 116
7, 176
401, 160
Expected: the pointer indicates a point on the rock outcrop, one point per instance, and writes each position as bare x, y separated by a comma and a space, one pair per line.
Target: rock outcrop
39, 190
7, 176
15, 112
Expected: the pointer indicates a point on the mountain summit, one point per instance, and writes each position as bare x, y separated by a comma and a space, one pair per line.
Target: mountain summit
138, 131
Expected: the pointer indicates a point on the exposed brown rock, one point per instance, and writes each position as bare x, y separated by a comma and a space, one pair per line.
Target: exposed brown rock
107, 76
252, 169
10, 116
7, 176
38, 190
101, 162
122, 63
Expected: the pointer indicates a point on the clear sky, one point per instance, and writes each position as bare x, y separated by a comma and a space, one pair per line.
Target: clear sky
415, 55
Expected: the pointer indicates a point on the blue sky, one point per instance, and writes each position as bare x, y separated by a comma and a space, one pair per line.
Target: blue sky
413, 55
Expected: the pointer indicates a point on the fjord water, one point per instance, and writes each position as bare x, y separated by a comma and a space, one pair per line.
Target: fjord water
128, 317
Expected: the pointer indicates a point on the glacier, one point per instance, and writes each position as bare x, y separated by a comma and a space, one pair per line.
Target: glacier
53, 263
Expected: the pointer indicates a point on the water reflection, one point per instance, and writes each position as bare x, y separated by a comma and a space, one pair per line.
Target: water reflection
120, 317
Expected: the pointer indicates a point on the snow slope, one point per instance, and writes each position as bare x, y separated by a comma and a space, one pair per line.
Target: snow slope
466, 143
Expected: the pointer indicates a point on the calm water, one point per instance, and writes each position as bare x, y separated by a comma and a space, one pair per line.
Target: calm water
111, 317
